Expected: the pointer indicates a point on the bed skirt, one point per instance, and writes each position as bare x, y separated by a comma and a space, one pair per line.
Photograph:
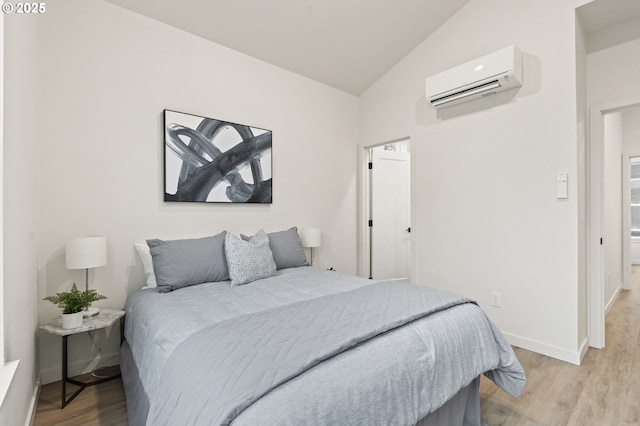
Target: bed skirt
137, 400
463, 409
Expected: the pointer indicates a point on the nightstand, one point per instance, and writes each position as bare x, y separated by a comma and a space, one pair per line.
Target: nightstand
106, 318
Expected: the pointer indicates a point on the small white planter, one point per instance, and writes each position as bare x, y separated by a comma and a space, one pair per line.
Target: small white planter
72, 320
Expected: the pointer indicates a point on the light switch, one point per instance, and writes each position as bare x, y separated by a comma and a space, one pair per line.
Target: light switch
561, 186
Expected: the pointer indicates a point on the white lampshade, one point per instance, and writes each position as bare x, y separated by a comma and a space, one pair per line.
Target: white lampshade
311, 237
86, 252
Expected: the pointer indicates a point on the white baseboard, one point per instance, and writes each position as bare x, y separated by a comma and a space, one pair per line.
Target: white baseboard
612, 300
573, 357
584, 348
31, 414
54, 374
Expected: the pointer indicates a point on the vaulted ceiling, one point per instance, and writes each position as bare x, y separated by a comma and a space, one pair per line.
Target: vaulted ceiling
346, 44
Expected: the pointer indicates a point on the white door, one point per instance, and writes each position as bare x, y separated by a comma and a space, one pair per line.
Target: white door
389, 214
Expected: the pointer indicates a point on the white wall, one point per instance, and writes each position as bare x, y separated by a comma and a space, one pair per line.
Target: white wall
106, 75
486, 217
614, 73
20, 212
635, 251
631, 132
612, 212
614, 35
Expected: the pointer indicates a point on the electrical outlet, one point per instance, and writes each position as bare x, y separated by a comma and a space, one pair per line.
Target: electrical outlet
495, 299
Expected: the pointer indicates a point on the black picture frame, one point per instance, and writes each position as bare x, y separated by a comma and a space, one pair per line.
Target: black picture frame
207, 160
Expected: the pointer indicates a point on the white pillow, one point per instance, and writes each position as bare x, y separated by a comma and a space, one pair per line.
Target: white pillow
147, 263
248, 260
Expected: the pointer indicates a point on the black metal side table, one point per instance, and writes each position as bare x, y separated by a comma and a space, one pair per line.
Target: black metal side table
106, 318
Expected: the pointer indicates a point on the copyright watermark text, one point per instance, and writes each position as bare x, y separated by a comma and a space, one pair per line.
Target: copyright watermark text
24, 8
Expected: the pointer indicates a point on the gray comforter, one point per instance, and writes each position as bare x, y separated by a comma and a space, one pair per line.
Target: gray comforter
213, 376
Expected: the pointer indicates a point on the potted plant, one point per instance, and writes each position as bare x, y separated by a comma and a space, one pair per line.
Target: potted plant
73, 303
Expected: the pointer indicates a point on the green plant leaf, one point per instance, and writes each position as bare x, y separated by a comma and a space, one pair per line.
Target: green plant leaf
75, 300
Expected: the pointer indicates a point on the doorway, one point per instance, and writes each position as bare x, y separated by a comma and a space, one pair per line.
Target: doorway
388, 210
600, 245
631, 212
630, 130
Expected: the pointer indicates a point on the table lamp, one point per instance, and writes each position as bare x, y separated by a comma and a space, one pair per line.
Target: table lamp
85, 253
311, 237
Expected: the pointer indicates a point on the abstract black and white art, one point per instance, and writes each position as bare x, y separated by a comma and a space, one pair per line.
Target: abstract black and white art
214, 161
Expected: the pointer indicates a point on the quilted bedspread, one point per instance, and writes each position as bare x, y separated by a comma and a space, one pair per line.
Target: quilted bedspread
407, 349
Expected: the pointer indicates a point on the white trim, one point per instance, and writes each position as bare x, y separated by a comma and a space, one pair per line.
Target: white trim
613, 299
7, 372
33, 405
363, 228
584, 347
626, 222
2, 343
595, 251
595, 185
573, 357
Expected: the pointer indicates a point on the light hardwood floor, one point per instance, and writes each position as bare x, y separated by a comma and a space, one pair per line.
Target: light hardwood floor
98, 405
603, 391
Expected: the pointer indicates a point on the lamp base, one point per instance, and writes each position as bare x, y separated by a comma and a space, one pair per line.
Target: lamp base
90, 312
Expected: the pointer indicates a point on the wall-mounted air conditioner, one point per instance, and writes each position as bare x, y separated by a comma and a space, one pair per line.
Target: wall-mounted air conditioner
484, 76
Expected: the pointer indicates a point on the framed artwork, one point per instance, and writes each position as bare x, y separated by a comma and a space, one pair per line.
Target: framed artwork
214, 161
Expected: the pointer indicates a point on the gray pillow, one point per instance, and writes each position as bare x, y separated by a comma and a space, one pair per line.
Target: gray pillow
249, 260
181, 263
286, 248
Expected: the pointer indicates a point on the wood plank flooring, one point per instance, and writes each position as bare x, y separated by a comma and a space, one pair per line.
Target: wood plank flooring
98, 405
604, 391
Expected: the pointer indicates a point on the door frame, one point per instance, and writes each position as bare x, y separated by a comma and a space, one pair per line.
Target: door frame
627, 261
626, 221
364, 240
595, 250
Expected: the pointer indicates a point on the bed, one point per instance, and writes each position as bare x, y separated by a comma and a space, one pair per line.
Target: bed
305, 346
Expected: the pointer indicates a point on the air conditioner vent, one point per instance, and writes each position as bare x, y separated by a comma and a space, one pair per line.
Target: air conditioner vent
484, 76
479, 89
